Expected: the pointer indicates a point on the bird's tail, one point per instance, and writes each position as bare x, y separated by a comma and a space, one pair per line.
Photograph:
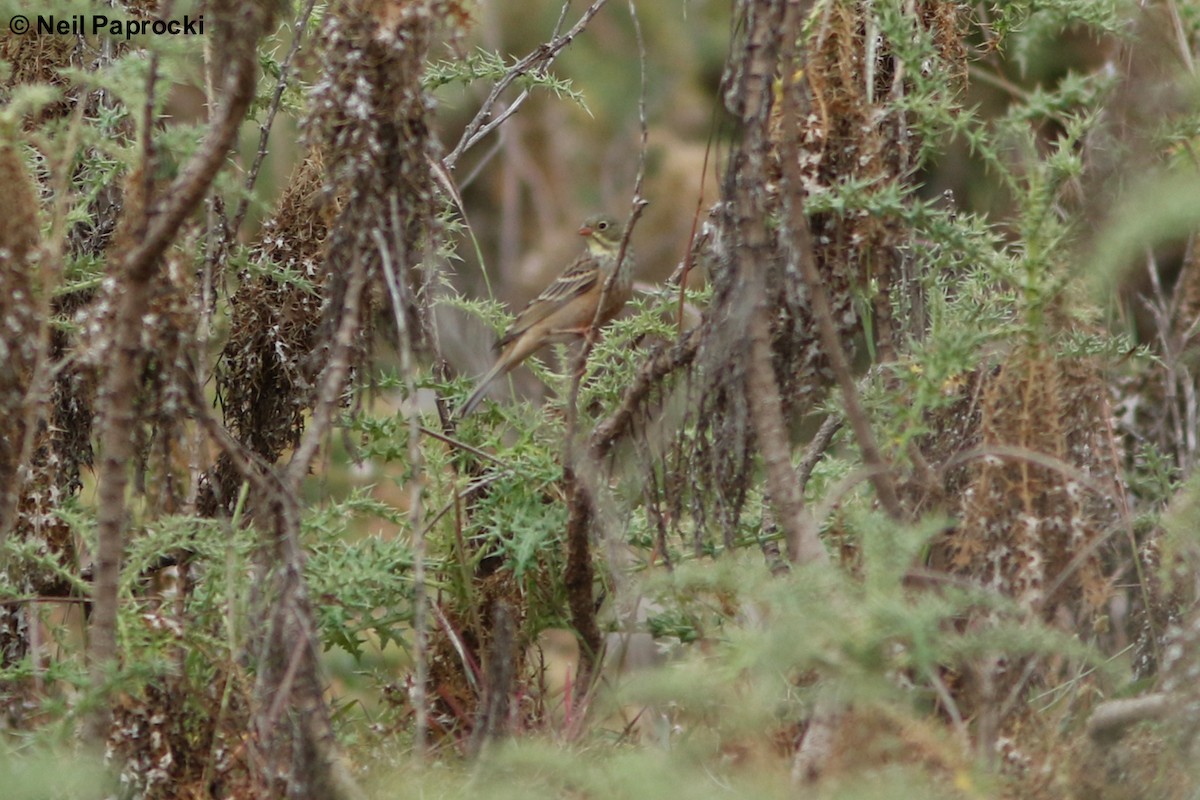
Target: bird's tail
481, 388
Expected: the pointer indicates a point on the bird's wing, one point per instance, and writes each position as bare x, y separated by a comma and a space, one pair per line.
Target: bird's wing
574, 281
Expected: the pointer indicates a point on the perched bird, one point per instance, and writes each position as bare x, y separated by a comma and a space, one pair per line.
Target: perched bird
565, 309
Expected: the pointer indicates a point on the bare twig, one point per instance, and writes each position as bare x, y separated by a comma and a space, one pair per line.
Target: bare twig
300, 27
581, 507
816, 449
333, 379
685, 267
397, 286
1110, 720
951, 707
189, 188
450, 440
802, 253
460, 553
35, 599
663, 362
1033, 456
540, 58
1181, 36
470, 668
249, 464
483, 161
470, 489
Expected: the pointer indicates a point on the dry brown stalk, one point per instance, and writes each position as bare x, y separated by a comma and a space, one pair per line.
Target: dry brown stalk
137, 270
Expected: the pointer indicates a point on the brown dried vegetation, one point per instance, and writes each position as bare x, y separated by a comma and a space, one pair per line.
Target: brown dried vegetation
810, 252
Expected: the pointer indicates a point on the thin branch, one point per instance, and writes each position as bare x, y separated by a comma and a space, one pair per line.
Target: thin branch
329, 394
507, 112
1033, 456
951, 707
581, 506
483, 161
1110, 720
500, 119
300, 27
471, 669
998, 81
189, 188
801, 251
662, 363
249, 464
397, 285
450, 440
1181, 36
35, 599
816, 449
540, 58
470, 489
685, 266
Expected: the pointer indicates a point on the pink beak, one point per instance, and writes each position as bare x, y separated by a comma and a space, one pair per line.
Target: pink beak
586, 231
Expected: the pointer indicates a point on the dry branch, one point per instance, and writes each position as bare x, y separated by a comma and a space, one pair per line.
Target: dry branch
292, 641
766, 407
539, 59
582, 509
801, 253
299, 28
770, 35
136, 272
1110, 720
661, 363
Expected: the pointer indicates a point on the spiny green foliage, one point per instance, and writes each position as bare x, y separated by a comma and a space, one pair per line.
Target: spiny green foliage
1027, 27
482, 65
764, 639
45, 775
986, 279
856, 632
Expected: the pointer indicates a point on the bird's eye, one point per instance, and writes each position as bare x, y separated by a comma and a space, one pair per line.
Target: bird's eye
603, 226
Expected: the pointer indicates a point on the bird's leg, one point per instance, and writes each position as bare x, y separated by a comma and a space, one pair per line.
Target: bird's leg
579, 359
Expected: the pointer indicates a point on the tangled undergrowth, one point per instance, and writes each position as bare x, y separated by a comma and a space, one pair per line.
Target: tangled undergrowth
887, 491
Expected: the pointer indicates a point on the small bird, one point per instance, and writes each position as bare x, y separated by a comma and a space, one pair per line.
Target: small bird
565, 309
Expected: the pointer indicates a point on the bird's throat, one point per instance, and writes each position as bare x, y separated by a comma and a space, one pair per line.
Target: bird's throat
598, 247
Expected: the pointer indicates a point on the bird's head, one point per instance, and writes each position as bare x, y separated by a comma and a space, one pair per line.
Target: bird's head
603, 234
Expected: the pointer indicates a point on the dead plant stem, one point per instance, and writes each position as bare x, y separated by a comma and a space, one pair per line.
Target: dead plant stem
540, 58
136, 272
397, 289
